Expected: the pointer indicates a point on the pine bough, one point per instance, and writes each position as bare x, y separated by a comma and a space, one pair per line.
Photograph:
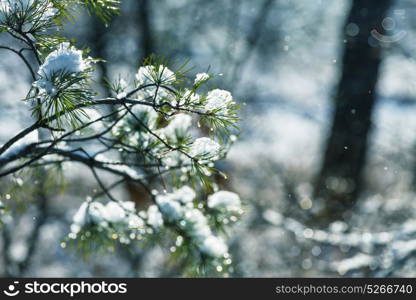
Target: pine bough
150, 132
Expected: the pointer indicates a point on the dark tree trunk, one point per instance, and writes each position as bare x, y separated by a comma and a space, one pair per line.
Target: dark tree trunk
98, 42
252, 40
144, 24
340, 181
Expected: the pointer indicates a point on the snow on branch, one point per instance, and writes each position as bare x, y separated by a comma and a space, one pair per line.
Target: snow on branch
163, 131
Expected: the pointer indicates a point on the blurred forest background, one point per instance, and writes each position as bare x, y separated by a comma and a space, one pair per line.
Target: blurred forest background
326, 159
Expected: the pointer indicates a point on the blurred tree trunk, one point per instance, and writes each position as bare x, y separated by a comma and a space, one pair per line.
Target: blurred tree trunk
252, 40
98, 41
144, 25
136, 192
340, 181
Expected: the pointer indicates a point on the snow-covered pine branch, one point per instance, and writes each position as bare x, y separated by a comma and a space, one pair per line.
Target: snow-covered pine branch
161, 131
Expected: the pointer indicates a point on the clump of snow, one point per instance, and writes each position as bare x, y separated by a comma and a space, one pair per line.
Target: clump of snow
185, 194
129, 171
80, 217
97, 213
178, 126
121, 95
65, 59
196, 226
135, 222
151, 74
175, 158
204, 147
109, 217
218, 100
225, 201
177, 207
114, 212
214, 246
190, 97
170, 204
170, 209
154, 217
356, 262
201, 77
